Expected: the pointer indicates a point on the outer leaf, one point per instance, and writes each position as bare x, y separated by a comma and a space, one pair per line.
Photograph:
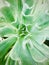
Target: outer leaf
7, 14
7, 30
6, 45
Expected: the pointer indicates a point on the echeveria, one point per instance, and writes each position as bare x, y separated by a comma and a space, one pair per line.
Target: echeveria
24, 28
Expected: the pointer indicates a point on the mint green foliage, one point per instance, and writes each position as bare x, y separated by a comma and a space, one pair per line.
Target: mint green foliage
24, 26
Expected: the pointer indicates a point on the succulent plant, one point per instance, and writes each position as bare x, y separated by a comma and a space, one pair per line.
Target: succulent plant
24, 29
